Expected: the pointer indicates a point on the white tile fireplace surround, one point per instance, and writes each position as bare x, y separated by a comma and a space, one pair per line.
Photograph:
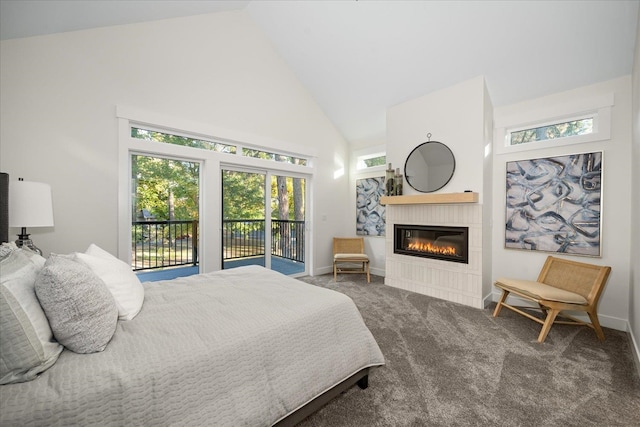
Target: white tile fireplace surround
451, 281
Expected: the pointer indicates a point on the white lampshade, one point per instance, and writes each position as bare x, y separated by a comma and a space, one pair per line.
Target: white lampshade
30, 204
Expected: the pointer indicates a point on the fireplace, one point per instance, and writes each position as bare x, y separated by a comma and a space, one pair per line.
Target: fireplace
436, 242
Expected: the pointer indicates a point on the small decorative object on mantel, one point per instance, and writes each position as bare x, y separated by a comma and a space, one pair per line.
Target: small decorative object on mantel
390, 182
393, 182
430, 166
398, 182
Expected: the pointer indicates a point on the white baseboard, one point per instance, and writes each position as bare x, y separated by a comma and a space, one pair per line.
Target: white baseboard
634, 348
486, 300
378, 271
322, 270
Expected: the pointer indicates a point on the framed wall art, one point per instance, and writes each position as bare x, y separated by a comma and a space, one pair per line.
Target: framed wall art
370, 214
553, 204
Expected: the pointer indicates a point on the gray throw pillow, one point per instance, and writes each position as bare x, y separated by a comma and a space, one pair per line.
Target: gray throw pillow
80, 308
27, 346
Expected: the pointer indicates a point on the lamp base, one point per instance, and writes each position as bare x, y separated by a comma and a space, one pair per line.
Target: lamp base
25, 241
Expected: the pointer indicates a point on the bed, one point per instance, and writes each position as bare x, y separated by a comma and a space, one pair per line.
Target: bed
240, 347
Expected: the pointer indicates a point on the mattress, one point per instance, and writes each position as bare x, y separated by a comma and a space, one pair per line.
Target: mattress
241, 347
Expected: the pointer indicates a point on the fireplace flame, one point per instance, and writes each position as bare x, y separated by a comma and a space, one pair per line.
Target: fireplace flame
431, 248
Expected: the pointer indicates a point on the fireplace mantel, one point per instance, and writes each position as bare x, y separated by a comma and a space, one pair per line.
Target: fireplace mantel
431, 198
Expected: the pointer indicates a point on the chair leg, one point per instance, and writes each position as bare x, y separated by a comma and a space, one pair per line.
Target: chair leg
503, 298
335, 272
368, 275
548, 322
596, 325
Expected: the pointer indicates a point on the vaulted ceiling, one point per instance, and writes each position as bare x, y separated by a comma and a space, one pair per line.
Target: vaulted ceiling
357, 58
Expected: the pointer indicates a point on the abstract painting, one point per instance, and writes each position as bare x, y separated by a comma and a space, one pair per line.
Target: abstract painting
370, 214
553, 204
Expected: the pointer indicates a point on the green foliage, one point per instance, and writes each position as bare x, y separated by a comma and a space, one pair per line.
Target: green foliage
164, 185
181, 140
375, 161
168, 188
288, 203
259, 154
558, 130
243, 195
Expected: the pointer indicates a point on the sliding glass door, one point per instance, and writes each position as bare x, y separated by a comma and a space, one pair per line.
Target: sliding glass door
243, 218
263, 220
165, 216
288, 224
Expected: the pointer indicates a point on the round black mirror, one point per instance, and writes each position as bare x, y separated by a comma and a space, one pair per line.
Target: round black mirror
429, 167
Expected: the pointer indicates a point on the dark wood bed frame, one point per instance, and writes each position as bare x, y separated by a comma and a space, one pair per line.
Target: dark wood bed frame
361, 378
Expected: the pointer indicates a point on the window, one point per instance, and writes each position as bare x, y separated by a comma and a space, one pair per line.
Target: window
371, 160
573, 121
221, 147
249, 152
152, 135
564, 129
174, 145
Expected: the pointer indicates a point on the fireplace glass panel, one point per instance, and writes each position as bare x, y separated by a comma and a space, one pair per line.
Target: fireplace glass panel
437, 242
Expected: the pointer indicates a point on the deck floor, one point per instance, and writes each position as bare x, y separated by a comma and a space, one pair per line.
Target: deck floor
282, 265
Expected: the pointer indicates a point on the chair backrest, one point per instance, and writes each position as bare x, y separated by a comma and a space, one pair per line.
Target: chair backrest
348, 245
581, 278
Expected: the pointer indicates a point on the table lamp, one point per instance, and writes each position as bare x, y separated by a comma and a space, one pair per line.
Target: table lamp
29, 206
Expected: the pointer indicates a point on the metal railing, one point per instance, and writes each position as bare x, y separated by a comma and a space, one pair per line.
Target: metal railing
287, 239
159, 244
243, 238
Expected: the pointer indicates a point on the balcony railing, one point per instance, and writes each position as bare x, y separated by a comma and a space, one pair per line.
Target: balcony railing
243, 238
160, 244
287, 239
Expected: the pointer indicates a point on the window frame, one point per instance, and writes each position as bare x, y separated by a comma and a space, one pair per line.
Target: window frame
597, 107
211, 161
369, 153
592, 115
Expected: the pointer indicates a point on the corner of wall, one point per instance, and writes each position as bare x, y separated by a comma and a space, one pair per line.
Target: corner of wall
487, 197
634, 253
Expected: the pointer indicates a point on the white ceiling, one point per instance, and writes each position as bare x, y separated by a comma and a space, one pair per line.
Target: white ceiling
357, 58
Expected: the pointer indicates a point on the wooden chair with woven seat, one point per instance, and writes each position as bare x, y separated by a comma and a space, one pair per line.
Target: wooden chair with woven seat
562, 285
347, 252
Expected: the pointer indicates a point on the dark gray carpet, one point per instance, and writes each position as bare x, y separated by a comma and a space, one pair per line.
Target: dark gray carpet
452, 365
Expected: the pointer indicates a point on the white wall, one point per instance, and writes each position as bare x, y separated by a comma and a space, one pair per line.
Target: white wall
373, 245
453, 116
58, 121
616, 179
461, 118
634, 283
487, 197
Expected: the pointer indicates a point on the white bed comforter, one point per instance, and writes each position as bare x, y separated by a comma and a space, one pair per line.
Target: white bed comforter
240, 347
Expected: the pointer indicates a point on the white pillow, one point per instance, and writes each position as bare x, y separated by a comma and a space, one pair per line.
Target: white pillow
119, 278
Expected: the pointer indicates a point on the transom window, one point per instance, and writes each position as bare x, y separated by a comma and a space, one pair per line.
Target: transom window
575, 120
371, 160
211, 145
152, 135
250, 152
563, 129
